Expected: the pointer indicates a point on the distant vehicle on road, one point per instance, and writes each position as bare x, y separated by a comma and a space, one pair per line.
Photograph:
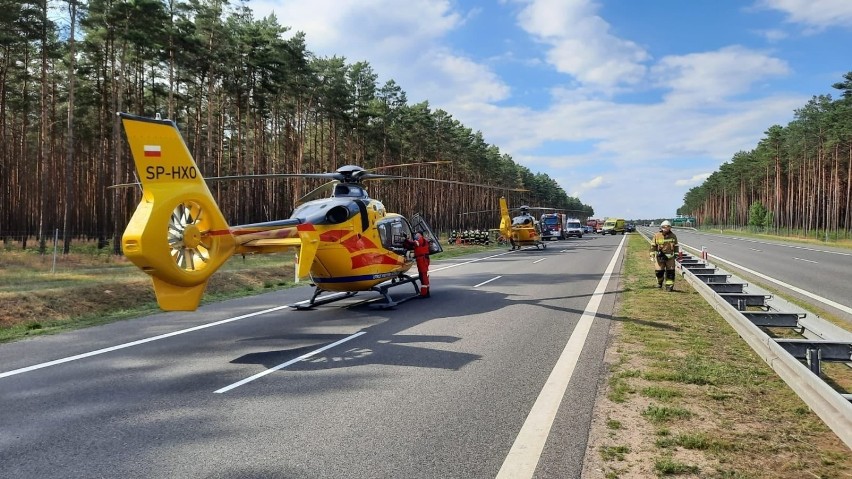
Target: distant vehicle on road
595, 225
630, 227
613, 226
553, 226
574, 228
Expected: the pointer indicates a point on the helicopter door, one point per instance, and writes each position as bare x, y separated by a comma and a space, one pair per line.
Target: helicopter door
392, 232
418, 224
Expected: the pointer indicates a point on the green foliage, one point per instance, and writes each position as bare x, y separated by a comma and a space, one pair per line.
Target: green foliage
249, 98
757, 215
792, 172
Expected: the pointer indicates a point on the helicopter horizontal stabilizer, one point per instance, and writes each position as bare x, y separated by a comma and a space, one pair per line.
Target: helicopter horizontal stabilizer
177, 234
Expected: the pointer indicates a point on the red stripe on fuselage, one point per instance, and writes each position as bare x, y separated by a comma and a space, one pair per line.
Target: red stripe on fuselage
358, 243
369, 259
333, 236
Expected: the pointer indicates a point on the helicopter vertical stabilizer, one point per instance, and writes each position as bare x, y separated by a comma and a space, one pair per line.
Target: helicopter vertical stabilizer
177, 234
505, 219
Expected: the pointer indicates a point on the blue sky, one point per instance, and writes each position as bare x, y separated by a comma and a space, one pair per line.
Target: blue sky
627, 104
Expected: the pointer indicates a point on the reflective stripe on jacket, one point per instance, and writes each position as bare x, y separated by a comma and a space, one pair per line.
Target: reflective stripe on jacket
665, 243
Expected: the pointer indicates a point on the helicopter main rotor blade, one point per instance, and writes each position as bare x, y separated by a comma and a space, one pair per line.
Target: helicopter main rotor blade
315, 193
453, 182
266, 176
401, 165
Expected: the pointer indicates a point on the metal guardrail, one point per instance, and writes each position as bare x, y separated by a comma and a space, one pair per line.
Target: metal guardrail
797, 362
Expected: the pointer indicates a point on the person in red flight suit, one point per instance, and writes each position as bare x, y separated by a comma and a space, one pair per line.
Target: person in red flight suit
421, 255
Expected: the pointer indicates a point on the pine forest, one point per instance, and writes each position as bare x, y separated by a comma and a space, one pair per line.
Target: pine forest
797, 180
248, 97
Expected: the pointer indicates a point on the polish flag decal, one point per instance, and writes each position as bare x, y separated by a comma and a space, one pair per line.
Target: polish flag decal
152, 150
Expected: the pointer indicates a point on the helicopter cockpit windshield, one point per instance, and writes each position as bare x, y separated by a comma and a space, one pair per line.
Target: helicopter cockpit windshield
522, 221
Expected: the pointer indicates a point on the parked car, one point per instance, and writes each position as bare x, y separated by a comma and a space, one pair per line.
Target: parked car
574, 228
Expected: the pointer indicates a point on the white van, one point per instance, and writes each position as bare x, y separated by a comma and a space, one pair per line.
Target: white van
573, 228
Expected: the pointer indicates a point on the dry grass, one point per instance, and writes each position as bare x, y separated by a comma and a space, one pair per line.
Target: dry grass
84, 289
691, 399
91, 286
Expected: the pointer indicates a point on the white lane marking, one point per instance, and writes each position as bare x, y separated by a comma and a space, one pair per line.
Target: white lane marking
284, 365
471, 261
759, 251
806, 260
135, 343
526, 450
486, 282
774, 244
183, 331
817, 297
564, 251
539, 260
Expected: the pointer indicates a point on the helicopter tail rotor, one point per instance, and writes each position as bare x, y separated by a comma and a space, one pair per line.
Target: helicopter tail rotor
177, 234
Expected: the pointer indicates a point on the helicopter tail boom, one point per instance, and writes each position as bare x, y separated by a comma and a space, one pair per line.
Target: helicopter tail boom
177, 234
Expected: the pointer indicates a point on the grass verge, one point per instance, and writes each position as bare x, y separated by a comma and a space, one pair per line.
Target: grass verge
692, 399
90, 287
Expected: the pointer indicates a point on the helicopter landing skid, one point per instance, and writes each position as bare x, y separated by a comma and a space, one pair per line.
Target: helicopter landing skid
398, 281
318, 301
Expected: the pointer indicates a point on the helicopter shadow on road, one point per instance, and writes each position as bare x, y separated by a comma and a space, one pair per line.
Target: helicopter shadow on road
385, 342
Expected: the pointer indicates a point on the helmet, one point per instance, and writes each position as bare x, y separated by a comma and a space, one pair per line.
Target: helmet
665, 223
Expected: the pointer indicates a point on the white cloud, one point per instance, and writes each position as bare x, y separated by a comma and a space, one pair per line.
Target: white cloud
695, 180
401, 41
709, 107
581, 44
772, 35
715, 75
593, 183
818, 14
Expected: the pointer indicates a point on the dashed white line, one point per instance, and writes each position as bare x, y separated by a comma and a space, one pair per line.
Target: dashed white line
135, 343
817, 297
486, 282
753, 249
539, 260
471, 261
284, 365
806, 260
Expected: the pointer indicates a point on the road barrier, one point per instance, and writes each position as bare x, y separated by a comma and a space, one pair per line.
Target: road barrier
797, 361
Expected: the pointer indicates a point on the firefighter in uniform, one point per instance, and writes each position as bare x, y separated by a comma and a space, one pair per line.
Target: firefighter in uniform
664, 250
421, 255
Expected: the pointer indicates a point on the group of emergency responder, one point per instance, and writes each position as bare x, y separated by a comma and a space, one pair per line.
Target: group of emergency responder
664, 251
480, 237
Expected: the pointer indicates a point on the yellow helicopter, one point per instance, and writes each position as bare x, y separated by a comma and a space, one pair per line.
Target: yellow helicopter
522, 229
345, 244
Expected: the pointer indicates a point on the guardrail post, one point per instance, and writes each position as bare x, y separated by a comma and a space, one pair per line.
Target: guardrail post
814, 356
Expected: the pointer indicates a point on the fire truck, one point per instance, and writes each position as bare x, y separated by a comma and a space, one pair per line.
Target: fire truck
553, 226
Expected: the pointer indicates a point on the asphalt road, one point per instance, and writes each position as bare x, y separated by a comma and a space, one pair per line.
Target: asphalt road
439, 387
823, 271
